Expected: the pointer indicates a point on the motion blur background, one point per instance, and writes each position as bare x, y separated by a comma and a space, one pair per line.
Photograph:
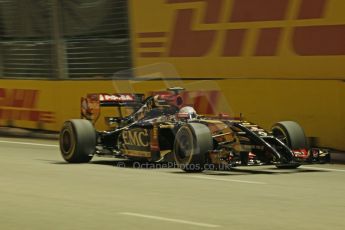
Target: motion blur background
270, 60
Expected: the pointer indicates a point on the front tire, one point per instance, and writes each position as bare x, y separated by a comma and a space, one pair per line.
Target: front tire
192, 143
291, 133
77, 141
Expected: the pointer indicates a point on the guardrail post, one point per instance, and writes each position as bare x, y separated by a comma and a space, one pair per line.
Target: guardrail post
1, 61
59, 47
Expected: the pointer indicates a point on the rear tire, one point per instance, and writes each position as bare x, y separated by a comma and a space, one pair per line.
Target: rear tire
192, 143
291, 133
77, 141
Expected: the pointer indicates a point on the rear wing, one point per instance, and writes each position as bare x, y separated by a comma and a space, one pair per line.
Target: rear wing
91, 104
124, 99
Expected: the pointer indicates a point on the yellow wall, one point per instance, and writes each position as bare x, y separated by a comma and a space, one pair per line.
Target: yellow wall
309, 42
316, 105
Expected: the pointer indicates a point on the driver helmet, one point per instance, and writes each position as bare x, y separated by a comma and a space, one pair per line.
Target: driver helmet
189, 110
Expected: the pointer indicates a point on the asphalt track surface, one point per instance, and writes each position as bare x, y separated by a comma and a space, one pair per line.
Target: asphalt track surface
38, 190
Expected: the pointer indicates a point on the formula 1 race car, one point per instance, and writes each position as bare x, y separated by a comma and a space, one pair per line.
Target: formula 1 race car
162, 124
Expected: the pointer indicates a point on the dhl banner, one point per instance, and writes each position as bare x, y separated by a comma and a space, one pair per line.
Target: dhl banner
30, 106
273, 39
318, 105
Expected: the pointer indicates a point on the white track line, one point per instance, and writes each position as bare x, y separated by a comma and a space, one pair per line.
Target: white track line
170, 220
228, 180
323, 169
28, 143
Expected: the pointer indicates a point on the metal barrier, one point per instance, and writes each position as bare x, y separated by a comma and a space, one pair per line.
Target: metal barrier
63, 39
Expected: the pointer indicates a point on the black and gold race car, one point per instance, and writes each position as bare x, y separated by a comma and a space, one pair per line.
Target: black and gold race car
162, 124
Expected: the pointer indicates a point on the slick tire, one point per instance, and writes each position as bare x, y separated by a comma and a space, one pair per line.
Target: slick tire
291, 133
77, 141
191, 145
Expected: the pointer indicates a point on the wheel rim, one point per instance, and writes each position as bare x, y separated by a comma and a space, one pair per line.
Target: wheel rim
67, 142
280, 134
184, 148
